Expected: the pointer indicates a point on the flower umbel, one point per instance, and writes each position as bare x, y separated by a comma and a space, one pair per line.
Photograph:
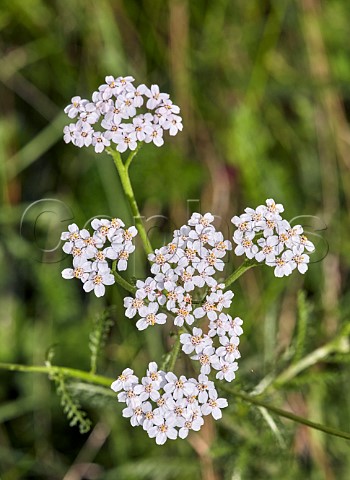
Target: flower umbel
93, 253
122, 114
186, 281
264, 235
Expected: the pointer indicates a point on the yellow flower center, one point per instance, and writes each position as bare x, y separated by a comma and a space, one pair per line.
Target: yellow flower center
243, 226
127, 235
283, 237
211, 258
104, 230
190, 253
74, 236
123, 255
137, 303
203, 221
247, 243
196, 340
115, 223
204, 359
221, 246
182, 312
208, 307
78, 272
179, 384
160, 259
97, 280
151, 319
230, 348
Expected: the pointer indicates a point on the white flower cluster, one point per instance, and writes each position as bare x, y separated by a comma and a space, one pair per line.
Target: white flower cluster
91, 252
188, 262
114, 107
167, 406
221, 358
264, 235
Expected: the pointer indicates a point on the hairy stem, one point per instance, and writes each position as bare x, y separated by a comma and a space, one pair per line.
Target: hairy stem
129, 193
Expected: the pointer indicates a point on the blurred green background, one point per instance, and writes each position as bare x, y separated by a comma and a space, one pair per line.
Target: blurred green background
264, 88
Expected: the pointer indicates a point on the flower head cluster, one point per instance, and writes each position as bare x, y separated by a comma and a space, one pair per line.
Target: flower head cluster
180, 270
188, 262
92, 253
167, 406
113, 115
264, 235
218, 349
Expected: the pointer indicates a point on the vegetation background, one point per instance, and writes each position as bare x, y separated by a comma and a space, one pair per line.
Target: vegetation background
264, 88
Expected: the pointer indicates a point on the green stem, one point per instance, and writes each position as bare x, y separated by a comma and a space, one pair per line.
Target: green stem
289, 415
131, 156
338, 345
68, 372
122, 282
106, 382
246, 265
170, 359
129, 193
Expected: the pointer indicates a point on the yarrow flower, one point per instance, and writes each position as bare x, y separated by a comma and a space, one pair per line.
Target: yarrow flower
166, 406
182, 284
188, 262
113, 116
91, 256
262, 234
